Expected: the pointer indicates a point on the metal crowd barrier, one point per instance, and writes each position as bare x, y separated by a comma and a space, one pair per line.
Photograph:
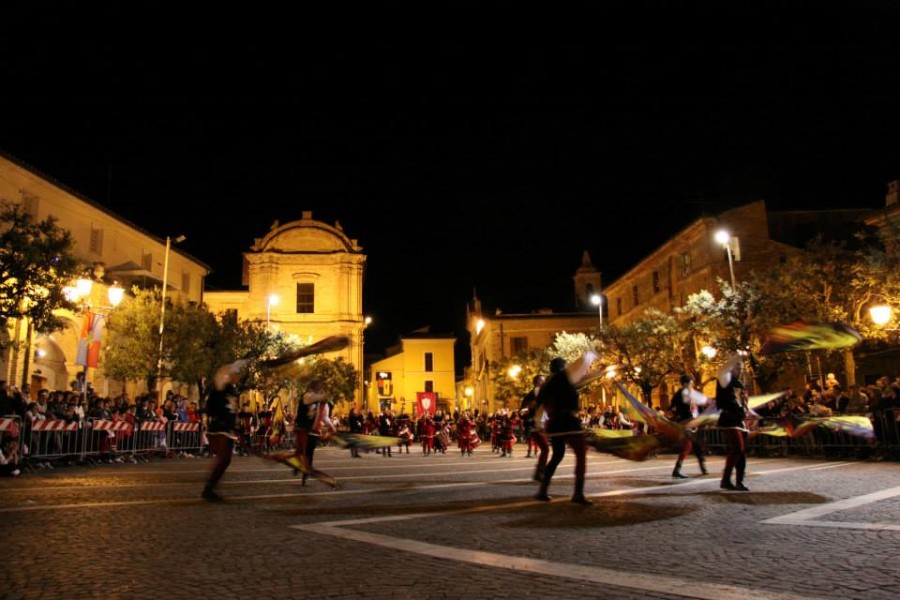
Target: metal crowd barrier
107, 440
184, 437
149, 439
48, 440
10, 426
820, 442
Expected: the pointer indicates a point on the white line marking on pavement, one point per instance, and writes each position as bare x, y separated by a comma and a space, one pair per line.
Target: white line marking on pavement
647, 583
806, 517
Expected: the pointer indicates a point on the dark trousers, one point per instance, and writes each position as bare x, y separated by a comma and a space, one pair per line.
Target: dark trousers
736, 459
558, 443
538, 440
223, 447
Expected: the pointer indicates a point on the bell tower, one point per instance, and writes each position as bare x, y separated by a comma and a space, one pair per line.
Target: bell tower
587, 282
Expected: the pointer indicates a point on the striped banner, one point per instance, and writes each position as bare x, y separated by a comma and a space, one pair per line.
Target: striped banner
185, 426
153, 426
6, 424
47, 425
111, 425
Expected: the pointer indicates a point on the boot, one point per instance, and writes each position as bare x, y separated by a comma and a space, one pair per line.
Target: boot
542, 493
726, 480
739, 476
578, 496
703, 466
676, 473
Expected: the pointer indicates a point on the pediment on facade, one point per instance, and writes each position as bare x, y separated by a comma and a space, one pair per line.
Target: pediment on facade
305, 235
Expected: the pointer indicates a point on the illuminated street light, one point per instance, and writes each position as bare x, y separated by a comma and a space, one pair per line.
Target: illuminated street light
514, 371
709, 352
272, 301
597, 300
882, 314
724, 238
162, 313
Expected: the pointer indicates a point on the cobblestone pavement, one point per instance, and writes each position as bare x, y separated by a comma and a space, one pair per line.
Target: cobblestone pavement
451, 526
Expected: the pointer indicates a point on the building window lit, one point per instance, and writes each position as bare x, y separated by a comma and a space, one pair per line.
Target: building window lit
306, 298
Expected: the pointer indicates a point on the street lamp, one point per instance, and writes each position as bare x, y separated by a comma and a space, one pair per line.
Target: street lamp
272, 301
162, 312
724, 238
597, 299
881, 315
367, 320
81, 294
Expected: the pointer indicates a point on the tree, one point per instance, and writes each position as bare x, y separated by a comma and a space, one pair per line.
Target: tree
739, 320
132, 342
515, 383
838, 280
36, 265
647, 350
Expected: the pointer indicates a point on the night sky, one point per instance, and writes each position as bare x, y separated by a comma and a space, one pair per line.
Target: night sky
482, 160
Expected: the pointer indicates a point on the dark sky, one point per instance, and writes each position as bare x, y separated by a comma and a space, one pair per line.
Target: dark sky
485, 160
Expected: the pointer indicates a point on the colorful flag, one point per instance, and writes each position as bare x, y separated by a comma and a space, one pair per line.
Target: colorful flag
809, 336
623, 444
88, 354
300, 464
425, 403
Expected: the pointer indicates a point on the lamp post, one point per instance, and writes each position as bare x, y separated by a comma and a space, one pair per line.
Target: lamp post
724, 238
81, 293
597, 299
367, 320
162, 312
272, 301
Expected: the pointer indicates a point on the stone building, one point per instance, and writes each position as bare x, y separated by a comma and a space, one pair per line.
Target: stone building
303, 278
115, 250
500, 335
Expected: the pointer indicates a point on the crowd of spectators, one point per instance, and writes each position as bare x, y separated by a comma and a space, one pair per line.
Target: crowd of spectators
880, 401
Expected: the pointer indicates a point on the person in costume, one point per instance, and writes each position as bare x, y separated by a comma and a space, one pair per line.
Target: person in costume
403, 433
534, 436
731, 401
426, 433
559, 398
355, 424
465, 434
386, 427
222, 427
686, 405
313, 423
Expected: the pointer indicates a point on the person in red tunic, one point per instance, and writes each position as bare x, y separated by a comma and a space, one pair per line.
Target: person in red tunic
466, 435
426, 434
533, 429
507, 437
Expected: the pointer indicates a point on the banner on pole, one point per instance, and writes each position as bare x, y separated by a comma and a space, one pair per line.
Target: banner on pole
89, 342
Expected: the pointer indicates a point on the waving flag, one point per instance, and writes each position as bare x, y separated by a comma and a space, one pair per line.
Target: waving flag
809, 336
623, 444
88, 354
